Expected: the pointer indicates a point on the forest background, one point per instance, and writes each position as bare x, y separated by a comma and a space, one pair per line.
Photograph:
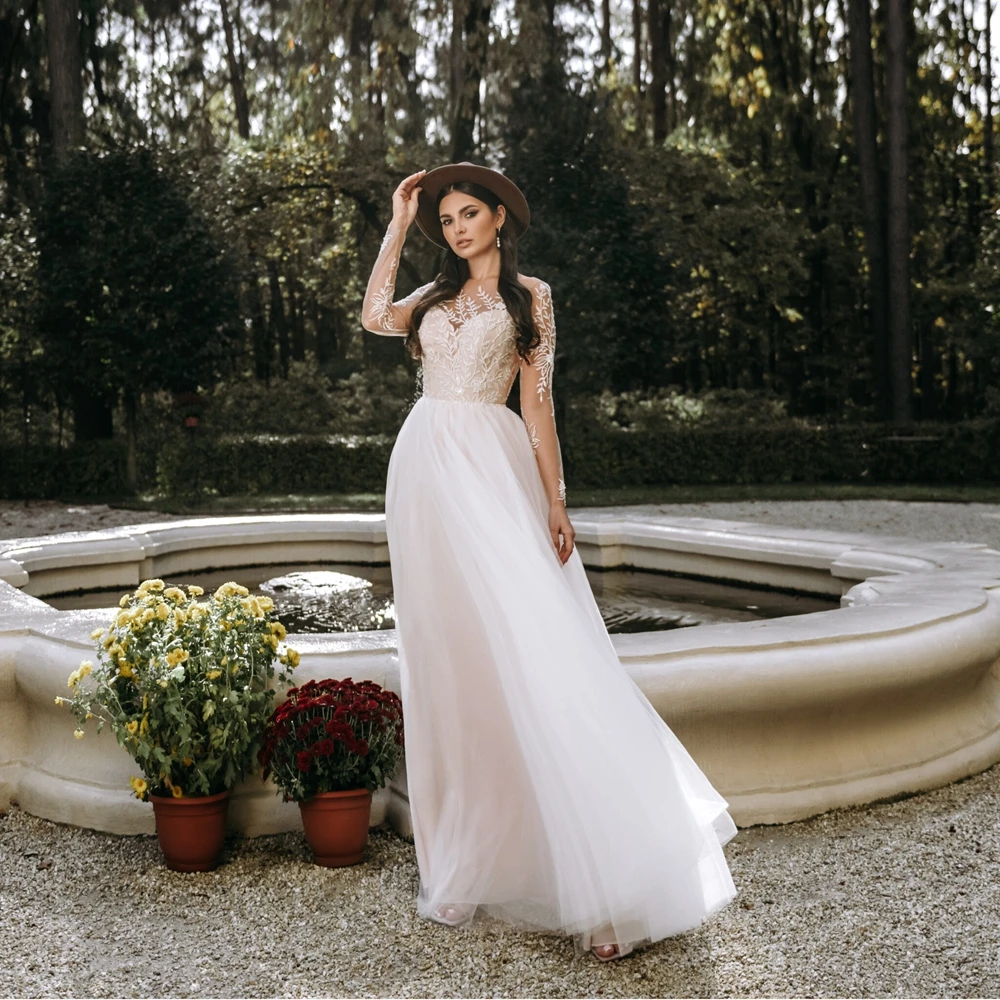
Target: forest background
771, 229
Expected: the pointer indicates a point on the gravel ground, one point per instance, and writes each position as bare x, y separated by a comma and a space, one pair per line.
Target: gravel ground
24, 519
896, 899
893, 899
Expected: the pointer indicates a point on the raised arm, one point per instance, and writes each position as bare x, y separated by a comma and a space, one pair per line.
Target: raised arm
537, 406
379, 314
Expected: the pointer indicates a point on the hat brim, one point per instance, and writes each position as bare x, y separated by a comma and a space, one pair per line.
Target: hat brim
518, 214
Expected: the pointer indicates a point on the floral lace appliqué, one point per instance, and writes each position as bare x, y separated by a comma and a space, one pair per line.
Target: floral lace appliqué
381, 303
544, 355
469, 354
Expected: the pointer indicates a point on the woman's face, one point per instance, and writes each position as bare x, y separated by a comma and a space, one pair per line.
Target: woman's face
469, 225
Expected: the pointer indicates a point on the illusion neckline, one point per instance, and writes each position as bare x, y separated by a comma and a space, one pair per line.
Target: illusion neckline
463, 308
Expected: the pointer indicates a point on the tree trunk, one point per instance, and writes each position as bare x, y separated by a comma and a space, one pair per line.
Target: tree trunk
988, 117
637, 64
297, 309
872, 195
658, 70
131, 452
605, 35
62, 25
236, 76
900, 333
92, 417
477, 33
278, 317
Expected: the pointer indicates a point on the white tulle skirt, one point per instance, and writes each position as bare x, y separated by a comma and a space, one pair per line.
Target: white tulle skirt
544, 788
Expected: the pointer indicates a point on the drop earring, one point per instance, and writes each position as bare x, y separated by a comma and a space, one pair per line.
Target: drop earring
498, 238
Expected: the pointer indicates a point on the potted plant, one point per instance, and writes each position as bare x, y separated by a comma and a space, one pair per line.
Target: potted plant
184, 685
328, 747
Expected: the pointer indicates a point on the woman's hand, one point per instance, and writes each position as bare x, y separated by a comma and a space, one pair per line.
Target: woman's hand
404, 199
559, 525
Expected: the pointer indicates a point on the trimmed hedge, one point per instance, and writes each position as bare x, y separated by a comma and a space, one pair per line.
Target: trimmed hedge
783, 453
271, 463
91, 469
594, 457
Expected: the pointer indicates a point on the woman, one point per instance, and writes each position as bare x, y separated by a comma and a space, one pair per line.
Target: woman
544, 788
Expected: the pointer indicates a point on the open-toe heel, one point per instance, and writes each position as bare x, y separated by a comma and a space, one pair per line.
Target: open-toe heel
602, 953
448, 913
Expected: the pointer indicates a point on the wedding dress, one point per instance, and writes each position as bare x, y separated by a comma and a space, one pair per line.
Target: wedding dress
544, 788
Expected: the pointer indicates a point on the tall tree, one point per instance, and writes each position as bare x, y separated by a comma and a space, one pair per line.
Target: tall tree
62, 22
898, 16
872, 193
475, 50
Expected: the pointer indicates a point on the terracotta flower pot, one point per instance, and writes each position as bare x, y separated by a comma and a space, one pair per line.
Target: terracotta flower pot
191, 830
336, 825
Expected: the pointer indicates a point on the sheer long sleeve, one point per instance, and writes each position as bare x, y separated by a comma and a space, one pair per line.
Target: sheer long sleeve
537, 406
379, 314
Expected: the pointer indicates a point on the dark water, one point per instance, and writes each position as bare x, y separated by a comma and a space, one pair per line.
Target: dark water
351, 598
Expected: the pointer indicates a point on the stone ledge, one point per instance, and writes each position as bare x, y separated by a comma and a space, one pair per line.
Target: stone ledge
897, 691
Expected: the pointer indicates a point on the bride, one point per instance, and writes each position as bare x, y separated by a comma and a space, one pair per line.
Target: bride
544, 788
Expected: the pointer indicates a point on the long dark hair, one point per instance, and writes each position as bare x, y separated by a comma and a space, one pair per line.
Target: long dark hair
454, 272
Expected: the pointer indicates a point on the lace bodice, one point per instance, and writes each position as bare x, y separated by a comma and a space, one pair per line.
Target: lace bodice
469, 351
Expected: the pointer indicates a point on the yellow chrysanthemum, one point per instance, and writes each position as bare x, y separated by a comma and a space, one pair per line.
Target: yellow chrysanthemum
274, 641
73, 679
278, 629
148, 585
78, 733
212, 674
146, 615
162, 611
195, 591
163, 682
293, 657
180, 616
97, 633
230, 588
175, 791
124, 600
125, 668
139, 786
108, 641
132, 726
59, 700
266, 603
174, 594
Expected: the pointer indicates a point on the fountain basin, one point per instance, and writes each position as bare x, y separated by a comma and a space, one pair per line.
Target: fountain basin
894, 692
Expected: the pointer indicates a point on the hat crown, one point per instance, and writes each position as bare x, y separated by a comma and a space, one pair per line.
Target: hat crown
502, 186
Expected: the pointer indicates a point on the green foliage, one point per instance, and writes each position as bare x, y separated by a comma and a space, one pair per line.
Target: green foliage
184, 684
371, 401
134, 292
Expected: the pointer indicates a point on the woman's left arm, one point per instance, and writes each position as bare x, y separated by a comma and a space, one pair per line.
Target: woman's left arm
539, 416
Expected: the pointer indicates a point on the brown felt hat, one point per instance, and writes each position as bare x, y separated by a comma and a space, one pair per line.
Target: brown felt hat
505, 189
